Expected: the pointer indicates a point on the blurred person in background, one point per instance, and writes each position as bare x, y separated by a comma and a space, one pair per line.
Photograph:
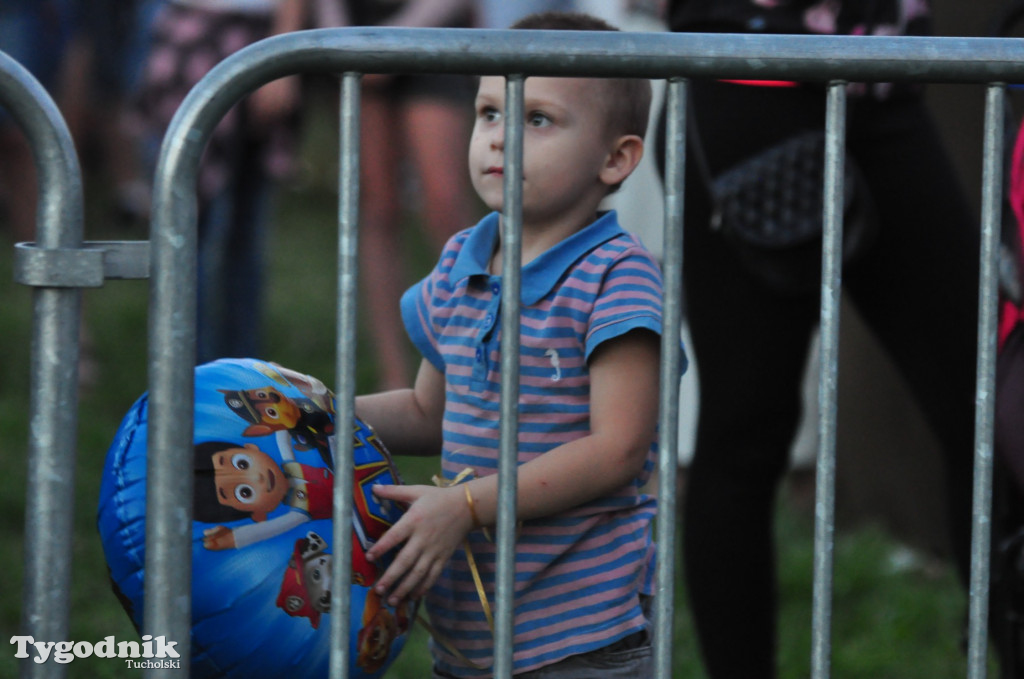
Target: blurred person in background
751, 338
251, 149
408, 123
36, 34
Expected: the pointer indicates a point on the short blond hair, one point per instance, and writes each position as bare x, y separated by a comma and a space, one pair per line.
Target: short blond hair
629, 99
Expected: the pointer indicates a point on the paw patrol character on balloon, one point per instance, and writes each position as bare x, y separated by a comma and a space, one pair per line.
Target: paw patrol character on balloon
307, 422
306, 586
380, 628
234, 482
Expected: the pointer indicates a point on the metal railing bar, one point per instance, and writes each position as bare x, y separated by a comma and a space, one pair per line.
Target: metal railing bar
171, 359
508, 457
831, 283
671, 358
623, 54
53, 392
984, 408
345, 366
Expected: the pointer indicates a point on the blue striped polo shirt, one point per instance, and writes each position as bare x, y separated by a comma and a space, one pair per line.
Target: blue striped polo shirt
579, 573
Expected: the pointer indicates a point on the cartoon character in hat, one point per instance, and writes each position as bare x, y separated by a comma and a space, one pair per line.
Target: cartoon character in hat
234, 482
268, 411
307, 420
306, 585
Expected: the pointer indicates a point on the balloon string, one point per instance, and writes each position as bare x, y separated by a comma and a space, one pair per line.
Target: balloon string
465, 474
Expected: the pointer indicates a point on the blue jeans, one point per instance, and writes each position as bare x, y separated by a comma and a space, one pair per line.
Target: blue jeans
232, 239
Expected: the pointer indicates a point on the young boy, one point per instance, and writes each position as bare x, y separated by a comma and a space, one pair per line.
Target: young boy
590, 326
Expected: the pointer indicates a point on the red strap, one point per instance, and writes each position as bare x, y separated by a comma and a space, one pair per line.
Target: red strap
764, 83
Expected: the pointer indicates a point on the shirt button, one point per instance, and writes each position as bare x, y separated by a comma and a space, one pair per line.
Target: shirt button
489, 319
479, 354
495, 288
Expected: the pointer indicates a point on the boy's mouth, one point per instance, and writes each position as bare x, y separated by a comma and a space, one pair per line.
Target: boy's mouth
495, 170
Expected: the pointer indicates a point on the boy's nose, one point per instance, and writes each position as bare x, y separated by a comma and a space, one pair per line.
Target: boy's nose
498, 139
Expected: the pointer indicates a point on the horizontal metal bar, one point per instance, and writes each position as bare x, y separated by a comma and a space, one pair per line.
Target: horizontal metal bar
650, 55
123, 259
85, 267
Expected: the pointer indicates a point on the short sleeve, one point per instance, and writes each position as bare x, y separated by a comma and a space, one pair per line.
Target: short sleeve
415, 308
630, 298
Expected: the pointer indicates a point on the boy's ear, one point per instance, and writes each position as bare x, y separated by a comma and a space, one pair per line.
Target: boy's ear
624, 156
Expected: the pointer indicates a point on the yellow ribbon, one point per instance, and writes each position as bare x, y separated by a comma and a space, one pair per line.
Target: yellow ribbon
465, 474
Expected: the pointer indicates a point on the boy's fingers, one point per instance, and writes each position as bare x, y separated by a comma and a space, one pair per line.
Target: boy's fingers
393, 537
405, 559
425, 585
397, 492
412, 581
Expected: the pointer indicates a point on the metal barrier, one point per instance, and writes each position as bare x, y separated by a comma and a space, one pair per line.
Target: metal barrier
58, 265
514, 54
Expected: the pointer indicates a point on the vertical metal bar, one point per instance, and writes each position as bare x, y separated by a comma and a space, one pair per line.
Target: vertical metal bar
671, 358
984, 408
53, 397
172, 356
511, 267
831, 270
345, 376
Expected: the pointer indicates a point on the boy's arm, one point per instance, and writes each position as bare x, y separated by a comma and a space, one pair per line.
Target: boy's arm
624, 412
408, 421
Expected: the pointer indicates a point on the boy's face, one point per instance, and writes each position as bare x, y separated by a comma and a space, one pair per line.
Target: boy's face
565, 145
249, 480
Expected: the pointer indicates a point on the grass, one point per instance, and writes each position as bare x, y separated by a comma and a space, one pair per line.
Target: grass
894, 622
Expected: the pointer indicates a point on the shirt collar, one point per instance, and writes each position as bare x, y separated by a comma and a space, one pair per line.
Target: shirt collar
541, 275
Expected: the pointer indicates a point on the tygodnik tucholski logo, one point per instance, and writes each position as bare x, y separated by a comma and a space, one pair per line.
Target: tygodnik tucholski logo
152, 652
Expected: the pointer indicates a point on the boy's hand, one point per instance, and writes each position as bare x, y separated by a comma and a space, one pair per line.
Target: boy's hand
435, 524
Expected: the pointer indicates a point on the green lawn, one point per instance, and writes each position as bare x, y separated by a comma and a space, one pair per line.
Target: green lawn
903, 623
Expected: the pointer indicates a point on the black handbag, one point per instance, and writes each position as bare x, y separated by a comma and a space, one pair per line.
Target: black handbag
770, 207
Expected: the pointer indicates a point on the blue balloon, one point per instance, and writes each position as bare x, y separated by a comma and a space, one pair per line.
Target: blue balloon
262, 530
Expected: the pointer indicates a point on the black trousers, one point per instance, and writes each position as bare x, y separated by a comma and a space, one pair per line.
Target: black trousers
916, 287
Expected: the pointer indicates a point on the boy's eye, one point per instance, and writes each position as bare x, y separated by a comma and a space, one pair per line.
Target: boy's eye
490, 114
241, 461
537, 119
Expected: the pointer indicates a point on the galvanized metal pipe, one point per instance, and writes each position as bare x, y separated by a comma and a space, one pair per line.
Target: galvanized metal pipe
508, 458
642, 55
53, 397
345, 375
831, 281
985, 394
671, 360
172, 355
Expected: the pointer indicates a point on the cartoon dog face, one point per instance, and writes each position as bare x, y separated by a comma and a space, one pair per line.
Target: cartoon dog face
318, 582
266, 409
306, 586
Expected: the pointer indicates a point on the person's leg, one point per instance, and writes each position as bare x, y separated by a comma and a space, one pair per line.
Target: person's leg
382, 266
917, 287
213, 225
750, 345
437, 137
243, 264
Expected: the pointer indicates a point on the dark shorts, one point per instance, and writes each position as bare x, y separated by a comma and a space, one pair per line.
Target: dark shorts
628, 658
